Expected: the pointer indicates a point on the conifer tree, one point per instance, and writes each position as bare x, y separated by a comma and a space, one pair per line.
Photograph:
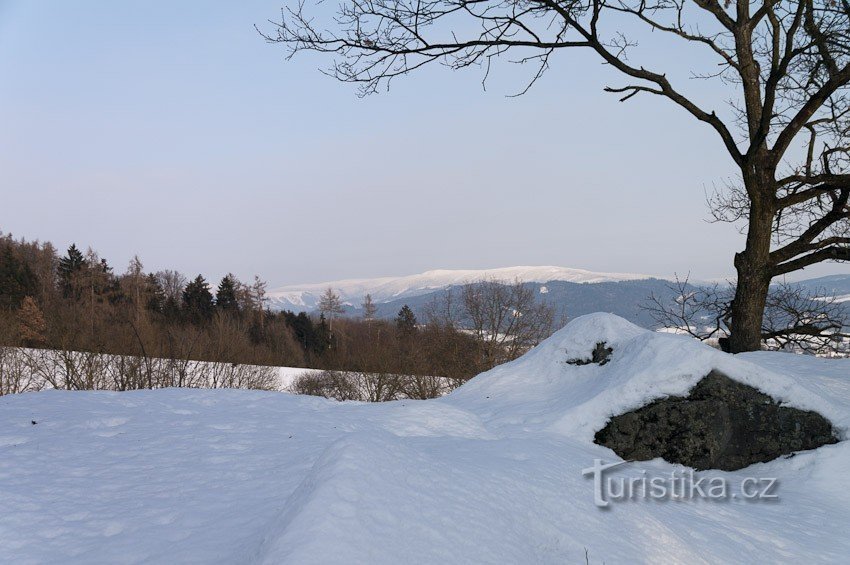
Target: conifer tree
406, 321
323, 336
69, 269
198, 300
225, 296
155, 294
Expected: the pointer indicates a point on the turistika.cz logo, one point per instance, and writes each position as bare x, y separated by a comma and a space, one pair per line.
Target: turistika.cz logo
680, 484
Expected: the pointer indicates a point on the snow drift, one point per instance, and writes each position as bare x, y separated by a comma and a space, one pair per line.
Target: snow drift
489, 474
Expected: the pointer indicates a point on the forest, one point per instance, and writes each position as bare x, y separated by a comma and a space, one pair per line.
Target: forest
75, 323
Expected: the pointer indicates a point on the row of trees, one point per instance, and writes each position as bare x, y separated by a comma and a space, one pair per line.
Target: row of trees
465, 331
77, 304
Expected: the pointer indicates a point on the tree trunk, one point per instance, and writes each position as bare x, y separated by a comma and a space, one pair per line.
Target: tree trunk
748, 308
753, 267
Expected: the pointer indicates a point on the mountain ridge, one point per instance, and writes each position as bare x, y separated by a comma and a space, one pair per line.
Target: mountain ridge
571, 292
387, 289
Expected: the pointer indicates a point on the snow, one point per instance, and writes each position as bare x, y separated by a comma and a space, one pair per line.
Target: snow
352, 291
288, 375
489, 474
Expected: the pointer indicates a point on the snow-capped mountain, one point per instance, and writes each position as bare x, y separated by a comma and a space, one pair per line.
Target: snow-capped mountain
386, 289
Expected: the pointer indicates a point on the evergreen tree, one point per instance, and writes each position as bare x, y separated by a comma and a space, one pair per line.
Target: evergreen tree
17, 279
323, 336
155, 294
198, 300
225, 297
69, 270
305, 331
406, 321
106, 284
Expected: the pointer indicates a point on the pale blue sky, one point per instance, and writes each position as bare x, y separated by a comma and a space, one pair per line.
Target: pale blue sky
171, 130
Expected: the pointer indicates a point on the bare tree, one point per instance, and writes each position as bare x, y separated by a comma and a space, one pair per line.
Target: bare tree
172, 283
330, 305
330, 384
369, 308
32, 327
794, 318
135, 285
504, 317
785, 63
798, 320
258, 293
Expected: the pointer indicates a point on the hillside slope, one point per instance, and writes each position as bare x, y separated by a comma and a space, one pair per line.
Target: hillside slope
490, 474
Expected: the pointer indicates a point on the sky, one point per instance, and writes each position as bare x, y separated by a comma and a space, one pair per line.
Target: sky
171, 130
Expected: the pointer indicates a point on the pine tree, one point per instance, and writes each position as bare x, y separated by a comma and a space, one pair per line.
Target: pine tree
225, 296
323, 336
69, 269
31, 324
106, 284
406, 321
198, 300
369, 308
155, 294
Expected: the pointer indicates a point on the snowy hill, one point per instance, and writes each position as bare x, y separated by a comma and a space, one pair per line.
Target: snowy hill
831, 284
489, 474
385, 289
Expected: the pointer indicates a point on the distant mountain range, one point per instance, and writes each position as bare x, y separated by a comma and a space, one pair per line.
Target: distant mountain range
385, 289
573, 292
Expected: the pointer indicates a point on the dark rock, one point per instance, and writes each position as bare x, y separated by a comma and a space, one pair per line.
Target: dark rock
601, 354
721, 424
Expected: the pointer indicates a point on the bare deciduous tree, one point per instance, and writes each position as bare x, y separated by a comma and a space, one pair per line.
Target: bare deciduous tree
794, 318
369, 308
330, 305
505, 317
32, 327
785, 63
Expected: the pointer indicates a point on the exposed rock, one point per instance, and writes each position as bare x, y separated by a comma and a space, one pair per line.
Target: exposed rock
721, 424
601, 354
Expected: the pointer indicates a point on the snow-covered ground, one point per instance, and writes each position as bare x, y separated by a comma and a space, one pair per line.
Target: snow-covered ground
352, 291
489, 474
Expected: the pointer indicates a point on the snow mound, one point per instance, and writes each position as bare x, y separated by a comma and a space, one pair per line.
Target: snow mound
542, 391
490, 474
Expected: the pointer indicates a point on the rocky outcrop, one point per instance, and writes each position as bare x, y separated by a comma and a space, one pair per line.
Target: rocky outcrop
600, 355
721, 424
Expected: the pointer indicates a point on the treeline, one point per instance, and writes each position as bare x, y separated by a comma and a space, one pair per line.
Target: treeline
76, 302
